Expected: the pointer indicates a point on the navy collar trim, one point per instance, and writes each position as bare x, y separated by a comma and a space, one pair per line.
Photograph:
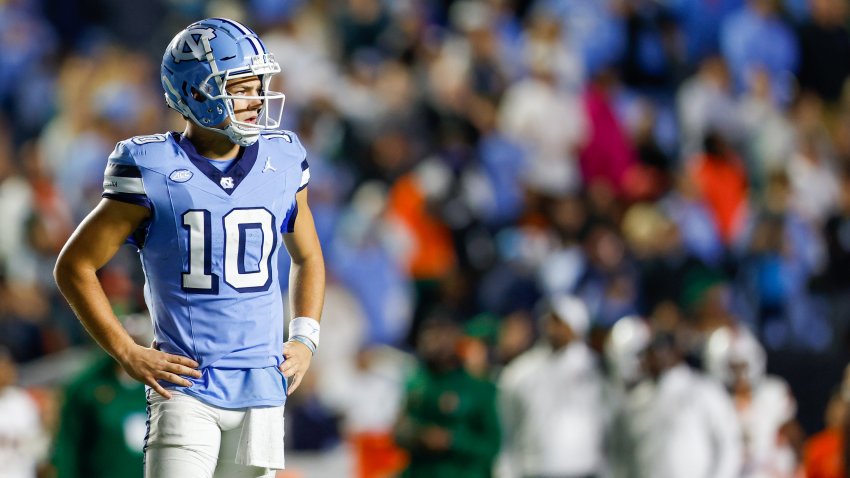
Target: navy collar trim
231, 179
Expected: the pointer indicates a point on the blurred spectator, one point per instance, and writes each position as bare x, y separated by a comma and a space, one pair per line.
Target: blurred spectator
684, 206
622, 348
512, 285
782, 253
770, 139
410, 203
487, 69
370, 394
318, 424
766, 409
654, 56
516, 335
823, 455
28, 43
448, 422
608, 155
651, 177
362, 24
103, 423
23, 438
16, 206
368, 243
814, 184
837, 271
664, 264
721, 180
678, 422
547, 121
595, 27
565, 261
825, 49
608, 283
756, 38
834, 280
502, 163
550, 400
705, 104
305, 42
701, 22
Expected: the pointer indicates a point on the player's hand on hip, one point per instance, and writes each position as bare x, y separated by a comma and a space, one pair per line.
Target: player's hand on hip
297, 358
147, 365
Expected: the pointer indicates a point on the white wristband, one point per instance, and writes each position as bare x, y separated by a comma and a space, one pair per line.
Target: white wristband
305, 327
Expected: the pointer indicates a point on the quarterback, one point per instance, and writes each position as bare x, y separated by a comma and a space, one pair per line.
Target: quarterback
208, 209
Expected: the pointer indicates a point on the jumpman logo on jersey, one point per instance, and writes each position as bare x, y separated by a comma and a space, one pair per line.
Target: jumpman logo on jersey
268, 166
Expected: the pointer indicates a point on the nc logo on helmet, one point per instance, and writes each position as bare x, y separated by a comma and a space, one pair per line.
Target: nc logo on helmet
192, 44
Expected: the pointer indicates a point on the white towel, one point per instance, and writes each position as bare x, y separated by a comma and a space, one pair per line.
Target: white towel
261, 442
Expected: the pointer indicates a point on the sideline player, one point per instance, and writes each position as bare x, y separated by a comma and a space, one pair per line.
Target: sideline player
206, 209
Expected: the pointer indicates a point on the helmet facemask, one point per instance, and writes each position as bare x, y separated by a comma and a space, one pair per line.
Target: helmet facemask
214, 89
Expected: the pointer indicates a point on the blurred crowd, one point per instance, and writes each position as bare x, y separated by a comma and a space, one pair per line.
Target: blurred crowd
573, 238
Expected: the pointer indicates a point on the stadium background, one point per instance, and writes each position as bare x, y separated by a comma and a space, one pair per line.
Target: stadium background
469, 158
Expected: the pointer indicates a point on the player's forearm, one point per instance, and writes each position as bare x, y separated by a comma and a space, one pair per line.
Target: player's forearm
81, 288
307, 287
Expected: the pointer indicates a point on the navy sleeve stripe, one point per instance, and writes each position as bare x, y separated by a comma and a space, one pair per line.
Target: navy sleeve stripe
122, 170
304, 165
290, 222
137, 199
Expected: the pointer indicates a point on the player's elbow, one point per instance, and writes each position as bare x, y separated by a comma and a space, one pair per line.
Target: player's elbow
66, 271
61, 271
311, 260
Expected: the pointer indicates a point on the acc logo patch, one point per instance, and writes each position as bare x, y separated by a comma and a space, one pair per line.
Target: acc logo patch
180, 175
193, 44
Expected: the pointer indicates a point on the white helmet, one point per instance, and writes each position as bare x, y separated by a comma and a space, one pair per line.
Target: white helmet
629, 337
730, 347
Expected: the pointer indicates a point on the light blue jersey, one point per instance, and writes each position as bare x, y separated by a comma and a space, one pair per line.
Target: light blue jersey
209, 254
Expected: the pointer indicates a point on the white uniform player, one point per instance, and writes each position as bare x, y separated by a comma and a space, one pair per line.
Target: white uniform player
669, 421
551, 402
764, 403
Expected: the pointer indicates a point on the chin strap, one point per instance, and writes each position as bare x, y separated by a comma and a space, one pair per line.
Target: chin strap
240, 138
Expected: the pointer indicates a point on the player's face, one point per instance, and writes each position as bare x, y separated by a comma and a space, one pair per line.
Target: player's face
248, 109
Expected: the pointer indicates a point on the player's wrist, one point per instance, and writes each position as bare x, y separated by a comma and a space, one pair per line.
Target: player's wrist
123, 350
305, 327
304, 341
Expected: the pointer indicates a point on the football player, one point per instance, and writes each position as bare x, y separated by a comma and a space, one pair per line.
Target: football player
207, 209
764, 403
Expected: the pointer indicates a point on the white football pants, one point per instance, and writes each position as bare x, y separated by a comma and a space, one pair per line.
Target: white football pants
189, 439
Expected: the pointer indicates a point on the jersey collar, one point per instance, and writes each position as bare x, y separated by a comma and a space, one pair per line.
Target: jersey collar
230, 180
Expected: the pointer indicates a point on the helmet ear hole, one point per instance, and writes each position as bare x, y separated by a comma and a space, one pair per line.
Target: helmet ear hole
198, 96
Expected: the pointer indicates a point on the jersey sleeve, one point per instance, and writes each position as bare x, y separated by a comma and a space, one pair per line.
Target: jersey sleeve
305, 175
288, 225
305, 167
122, 179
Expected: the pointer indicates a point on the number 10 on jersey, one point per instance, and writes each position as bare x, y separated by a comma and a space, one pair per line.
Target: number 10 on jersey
236, 224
